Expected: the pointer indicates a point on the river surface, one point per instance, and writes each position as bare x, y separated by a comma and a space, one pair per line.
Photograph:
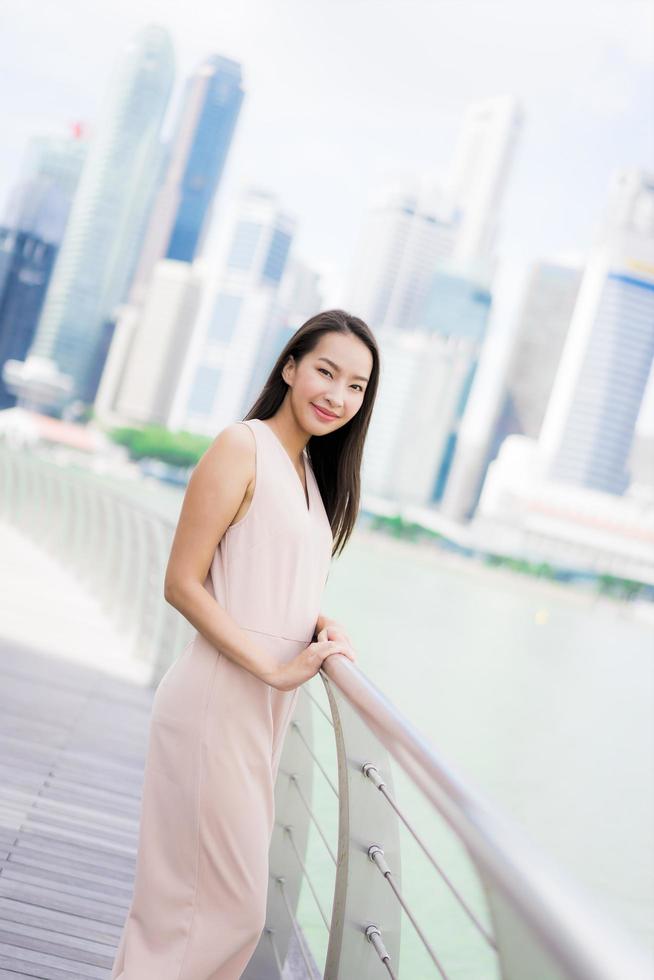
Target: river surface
541, 696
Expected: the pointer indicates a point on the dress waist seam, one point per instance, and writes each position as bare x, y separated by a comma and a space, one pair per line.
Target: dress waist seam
278, 636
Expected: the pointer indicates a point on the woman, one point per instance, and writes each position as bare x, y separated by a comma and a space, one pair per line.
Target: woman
268, 505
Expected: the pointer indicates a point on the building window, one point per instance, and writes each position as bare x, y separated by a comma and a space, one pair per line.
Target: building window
244, 245
277, 255
225, 317
203, 391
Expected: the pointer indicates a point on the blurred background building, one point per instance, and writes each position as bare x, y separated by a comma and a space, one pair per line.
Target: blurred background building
154, 325
30, 235
583, 477
237, 310
103, 234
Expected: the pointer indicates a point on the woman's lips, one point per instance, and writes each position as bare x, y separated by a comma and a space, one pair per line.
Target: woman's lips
323, 415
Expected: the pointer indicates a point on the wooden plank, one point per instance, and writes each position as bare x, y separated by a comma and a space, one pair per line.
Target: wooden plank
10, 975
42, 896
39, 971
97, 857
43, 857
34, 964
93, 951
72, 749
65, 924
26, 858
82, 887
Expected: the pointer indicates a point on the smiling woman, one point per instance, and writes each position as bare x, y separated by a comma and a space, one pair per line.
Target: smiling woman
247, 568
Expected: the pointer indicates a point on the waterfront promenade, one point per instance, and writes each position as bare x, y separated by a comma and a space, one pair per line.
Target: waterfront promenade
73, 732
73, 741
74, 716
74, 706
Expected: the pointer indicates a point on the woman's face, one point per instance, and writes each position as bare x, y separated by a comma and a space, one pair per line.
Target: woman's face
332, 376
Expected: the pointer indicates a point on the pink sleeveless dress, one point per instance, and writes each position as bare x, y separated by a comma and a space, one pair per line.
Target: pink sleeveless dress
216, 734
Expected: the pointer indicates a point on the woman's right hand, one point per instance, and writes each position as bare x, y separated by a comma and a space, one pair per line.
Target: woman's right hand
307, 663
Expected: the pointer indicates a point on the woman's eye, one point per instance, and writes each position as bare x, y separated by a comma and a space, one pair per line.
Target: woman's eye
329, 373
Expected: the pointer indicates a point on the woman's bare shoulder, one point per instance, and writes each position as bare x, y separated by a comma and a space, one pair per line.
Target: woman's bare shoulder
235, 442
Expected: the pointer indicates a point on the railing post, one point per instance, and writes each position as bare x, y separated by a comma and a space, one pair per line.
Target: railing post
290, 832
361, 896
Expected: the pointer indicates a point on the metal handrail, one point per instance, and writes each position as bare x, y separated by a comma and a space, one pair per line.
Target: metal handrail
577, 938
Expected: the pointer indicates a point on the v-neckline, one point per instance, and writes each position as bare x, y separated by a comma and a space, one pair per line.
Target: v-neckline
306, 494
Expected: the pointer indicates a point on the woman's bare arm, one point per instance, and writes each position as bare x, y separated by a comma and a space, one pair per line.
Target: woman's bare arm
213, 496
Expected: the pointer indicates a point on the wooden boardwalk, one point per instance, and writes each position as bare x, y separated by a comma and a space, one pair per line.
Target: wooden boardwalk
72, 747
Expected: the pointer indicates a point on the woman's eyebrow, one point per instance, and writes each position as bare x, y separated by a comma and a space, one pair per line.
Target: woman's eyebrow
357, 377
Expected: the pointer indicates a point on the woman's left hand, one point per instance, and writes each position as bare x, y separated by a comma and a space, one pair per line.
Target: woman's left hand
333, 630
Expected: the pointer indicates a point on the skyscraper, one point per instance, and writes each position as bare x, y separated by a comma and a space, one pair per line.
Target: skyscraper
195, 161
479, 172
299, 297
589, 425
421, 385
145, 384
39, 204
544, 319
217, 87
409, 231
26, 263
236, 313
406, 234
457, 307
98, 253
33, 226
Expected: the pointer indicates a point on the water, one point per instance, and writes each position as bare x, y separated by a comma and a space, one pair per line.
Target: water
540, 696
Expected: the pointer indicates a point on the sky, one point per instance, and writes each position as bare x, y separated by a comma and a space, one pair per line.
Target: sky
341, 94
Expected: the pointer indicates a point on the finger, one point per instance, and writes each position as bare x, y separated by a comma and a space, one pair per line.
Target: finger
332, 647
343, 649
328, 647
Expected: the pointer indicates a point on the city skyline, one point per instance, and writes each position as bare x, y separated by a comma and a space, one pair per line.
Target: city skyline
307, 142
480, 168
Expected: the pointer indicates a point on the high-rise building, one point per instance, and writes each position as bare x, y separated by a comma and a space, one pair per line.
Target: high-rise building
641, 460
546, 310
479, 172
26, 263
516, 395
457, 307
421, 384
236, 313
39, 204
406, 235
300, 292
142, 387
98, 253
195, 160
299, 298
409, 231
217, 89
33, 226
193, 165
457, 304
588, 429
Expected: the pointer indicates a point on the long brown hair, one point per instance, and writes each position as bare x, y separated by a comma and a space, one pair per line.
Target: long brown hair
336, 457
